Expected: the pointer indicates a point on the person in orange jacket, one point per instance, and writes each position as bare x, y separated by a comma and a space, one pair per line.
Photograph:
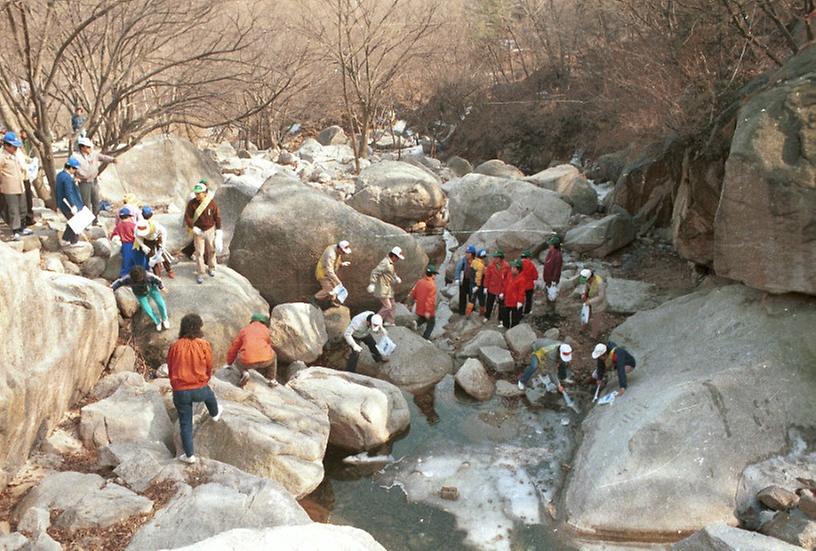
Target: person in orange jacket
494, 279
513, 295
530, 273
190, 365
252, 349
424, 296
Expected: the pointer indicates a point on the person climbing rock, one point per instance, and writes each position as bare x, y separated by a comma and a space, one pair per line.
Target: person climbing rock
150, 239
513, 296
125, 234
558, 357
463, 278
190, 365
495, 275
326, 270
530, 273
252, 349
423, 295
12, 186
477, 270
90, 162
381, 284
69, 200
609, 356
360, 330
552, 269
203, 219
145, 286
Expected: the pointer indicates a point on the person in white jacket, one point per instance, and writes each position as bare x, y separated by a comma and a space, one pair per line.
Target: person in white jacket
382, 281
360, 330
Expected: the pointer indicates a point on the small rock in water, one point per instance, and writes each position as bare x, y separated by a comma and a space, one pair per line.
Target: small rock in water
451, 493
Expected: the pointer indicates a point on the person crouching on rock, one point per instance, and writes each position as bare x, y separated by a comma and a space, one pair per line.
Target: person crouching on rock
381, 284
252, 349
145, 286
610, 356
359, 330
326, 270
463, 278
424, 296
513, 296
203, 219
558, 356
190, 365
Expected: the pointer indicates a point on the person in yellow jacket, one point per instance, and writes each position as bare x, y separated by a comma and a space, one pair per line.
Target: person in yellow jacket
326, 270
593, 293
478, 296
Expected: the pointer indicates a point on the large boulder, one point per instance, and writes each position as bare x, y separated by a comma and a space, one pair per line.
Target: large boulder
332, 135
721, 537
627, 296
273, 228
161, 169
765, 226
232, 197
484, 338
364, 412
693, 426
290, 538
415, 364
601, 237
398, 193
499, 169
571, 184
459, 166
473, 378
58, 333
298, 332
225, 303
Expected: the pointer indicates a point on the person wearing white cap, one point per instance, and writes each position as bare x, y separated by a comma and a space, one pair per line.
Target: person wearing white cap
558, 356
326, 270
609, 356
594, 290
359, 330
89, 164
382, 281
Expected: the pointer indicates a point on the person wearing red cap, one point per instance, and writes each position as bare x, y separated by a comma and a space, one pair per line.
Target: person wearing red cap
326, 270
513, 296
381, 284
530, 273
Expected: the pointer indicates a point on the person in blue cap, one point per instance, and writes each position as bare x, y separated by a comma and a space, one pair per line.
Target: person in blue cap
125, 233
12, 186
69, 200
464, 278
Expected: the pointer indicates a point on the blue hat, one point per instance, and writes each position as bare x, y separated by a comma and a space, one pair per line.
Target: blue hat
147, 212
482, 253
124, 212
471, 249
72, 161
12, 139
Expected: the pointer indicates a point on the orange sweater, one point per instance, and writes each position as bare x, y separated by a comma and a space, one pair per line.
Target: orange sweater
424, 293
252, 345
190, 364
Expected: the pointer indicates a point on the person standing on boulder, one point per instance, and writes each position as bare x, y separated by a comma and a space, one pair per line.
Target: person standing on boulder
252, 349
609, 356
326, 270
190, 365
89, 163
12, 187
552, 269
558, 356
464, 278
424, 296
125, 233
494, 279
381, 284
203, 219
359, 330
145, 286
513, 296
530, 273
69, 200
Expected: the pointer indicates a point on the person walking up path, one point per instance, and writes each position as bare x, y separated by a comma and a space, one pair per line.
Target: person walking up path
381, 284
326, 269
190, 365
424, 296
145, 286
203, 219
360, 330
252, 349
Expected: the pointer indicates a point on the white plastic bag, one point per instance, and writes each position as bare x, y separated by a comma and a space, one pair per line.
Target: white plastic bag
340, 293
586, 312
552, 292
386, 346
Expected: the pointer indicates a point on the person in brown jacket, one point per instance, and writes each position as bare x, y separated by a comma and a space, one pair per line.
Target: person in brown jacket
190, 365
252, 349
203, 219
11, 186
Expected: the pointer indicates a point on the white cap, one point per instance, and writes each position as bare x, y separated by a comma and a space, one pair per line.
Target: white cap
345, 246
586, 273
600, 350
376, 322
396, 251
566, 352
85, 142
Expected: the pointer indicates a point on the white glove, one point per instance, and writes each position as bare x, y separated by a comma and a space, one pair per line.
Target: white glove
519, 304
116, 240
397, 279
370, 288
501, 296
73, 209
539, 285
197, 230
456, 283
346, 263
357, 348
219, 241
146, 250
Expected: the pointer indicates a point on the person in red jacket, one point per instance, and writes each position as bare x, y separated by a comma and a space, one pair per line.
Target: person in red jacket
530, 273
252, 349
494, 278
514, 295
424, 296
190, 364
552, 269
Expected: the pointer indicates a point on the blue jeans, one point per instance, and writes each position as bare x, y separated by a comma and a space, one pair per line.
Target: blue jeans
184, 400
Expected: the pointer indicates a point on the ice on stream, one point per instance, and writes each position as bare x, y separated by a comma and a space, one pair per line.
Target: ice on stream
501, 485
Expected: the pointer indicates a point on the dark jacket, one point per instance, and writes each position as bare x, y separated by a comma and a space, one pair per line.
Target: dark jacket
139, 289
552, 267
67, 189
209, 218
618, 358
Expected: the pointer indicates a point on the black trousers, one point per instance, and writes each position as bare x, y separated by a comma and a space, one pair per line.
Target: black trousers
29, 201
464, 295
510, 317
528, 301
69, 234
479, 296
351, 364
491, 301
430, 323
